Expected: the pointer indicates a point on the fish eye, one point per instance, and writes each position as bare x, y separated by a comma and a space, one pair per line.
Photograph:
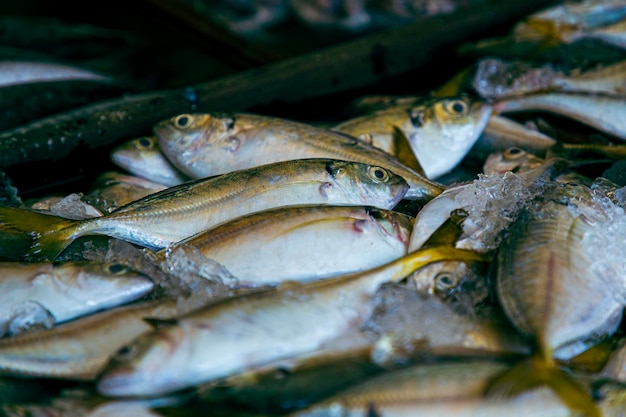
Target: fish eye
125, 353
513, 153
145, 142
444, 281
378, 174
417, 117
457, 107
229, 123
117, 269
182, 120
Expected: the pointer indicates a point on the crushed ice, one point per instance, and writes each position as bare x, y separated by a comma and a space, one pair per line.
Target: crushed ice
493, 203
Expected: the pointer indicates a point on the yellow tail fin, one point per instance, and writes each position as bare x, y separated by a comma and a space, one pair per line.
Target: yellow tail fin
536, 372
48, 235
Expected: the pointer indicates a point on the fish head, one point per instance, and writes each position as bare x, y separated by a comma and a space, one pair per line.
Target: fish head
127, 154
110, 283
148, 366
444, 129
395, 225
512, 159
460, 282
365, 184
184, 139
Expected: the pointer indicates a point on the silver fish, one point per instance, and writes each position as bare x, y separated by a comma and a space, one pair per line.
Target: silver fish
206, 344
440, 131
302, 243
201, 145
182, 211
602, 112
143, 157
80, 349
67, 291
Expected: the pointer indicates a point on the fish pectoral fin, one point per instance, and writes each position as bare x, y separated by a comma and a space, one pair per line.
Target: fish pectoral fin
159, 323
404, 152
449, 232
536, 372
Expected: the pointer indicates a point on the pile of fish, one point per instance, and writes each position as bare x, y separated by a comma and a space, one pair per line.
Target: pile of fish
456, 254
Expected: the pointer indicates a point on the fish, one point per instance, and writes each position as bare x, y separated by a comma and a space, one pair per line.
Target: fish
511, 160
143, 157
615, 368
462, 282
80, 349
607, 79
302, 243
557, 289
570, 22
502, 133
440, 130
601, 112
205, 345
556, 294
614, 34
179, 212
22, 72
535, 403
496, 79
418, 384
206, 144
112, 190
65, 291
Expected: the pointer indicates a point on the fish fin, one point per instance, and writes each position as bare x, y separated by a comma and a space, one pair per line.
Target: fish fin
49, 234
449, 232
404, 152
159, 323
593, 359
457, 84
537, 372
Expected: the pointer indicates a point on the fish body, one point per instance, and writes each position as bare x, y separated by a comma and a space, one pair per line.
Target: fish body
570, 22
81, 348
433, 215
303, 243
206, 345
551, 285
377, 127
536, 403
179, 212
21, 72
143, 157
69, 290
502, 133
602, 112
441, 130
419, 384
608, 79
497, 79
202, 145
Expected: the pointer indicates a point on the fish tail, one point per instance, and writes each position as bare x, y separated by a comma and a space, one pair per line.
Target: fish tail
536, 372
48, 235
